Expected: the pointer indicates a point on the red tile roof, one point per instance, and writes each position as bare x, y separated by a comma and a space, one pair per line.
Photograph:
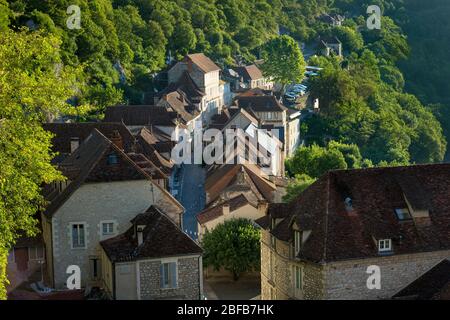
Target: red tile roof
340, 233
217, 211
251, 72
203, 62
162, 238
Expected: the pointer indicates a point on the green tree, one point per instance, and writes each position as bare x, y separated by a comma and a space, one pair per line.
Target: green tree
33, 87
314, 161
283, 60
233, 245
297, 186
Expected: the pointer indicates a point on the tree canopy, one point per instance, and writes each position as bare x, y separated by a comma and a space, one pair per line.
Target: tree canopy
283, 60
34, 86
233, 245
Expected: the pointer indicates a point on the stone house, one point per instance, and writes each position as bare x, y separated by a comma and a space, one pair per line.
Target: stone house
105, 189
234, 208
321, 244
228, 181
154, 250
252, 143
247, 77
273, 115
205, 74
147, 142
330, 46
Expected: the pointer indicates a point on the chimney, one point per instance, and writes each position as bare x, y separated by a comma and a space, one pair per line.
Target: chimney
226, 209
116, 138
140, 234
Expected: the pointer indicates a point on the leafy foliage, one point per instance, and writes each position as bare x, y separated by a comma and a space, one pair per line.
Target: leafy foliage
283, 60
233, 245
33, 87
297, 186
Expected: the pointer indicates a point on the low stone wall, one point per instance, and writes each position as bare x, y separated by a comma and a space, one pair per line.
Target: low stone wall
188, 280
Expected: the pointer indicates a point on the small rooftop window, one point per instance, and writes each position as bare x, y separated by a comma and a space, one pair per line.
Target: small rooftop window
384, 245
403, 214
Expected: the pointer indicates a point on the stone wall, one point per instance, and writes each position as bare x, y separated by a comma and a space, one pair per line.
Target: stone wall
188, 280
339, 280
348, 280
282, 279
91, 204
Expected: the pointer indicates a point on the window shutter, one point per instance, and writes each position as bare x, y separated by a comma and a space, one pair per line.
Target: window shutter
173, 274
81, 235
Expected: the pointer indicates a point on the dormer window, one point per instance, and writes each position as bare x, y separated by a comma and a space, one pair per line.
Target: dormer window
140, 234
384, 245
403, 214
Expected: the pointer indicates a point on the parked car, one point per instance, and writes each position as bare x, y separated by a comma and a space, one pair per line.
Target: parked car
300, 86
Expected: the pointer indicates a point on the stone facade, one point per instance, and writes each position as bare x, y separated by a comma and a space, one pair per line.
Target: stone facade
188, 284
278, 284
92, 203
338, 280
347, 279
208, 82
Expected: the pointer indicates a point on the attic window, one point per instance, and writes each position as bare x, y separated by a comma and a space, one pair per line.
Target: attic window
113, 159
403, 214
384, 245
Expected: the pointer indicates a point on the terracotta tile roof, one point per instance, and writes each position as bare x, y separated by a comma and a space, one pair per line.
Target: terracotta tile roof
248, 73
178, 102
433, 284
147, 144
217, 211
141, 115
340, 233
203, 62
239, 177
162, 238
260, 103
146, 165
64, 132
89, 163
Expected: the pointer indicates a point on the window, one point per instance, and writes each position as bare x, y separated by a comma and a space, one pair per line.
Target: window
107, 228
384, 245
113, 159
402, 214
298, 278
36, 253
168, 272
78, 235
297, 241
